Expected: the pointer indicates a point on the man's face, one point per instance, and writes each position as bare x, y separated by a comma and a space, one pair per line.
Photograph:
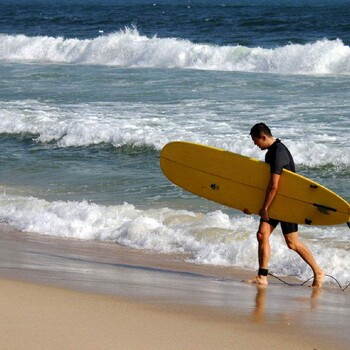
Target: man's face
260, 141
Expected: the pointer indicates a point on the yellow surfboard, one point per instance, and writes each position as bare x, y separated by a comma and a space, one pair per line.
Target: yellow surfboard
240, 182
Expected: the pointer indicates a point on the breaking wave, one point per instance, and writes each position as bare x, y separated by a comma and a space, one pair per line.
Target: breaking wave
84, 125
128, 48
212, 238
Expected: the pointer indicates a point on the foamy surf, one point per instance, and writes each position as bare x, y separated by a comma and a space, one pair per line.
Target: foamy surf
128, 48
145, 125
212, 238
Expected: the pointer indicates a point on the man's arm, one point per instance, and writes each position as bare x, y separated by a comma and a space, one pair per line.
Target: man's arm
270, 195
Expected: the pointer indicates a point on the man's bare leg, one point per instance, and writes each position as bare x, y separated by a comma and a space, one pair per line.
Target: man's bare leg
293, 242
263, 236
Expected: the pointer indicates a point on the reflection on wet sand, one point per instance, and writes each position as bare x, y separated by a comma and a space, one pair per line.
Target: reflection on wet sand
259, 312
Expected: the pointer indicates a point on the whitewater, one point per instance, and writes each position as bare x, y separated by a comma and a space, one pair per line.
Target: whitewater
212, 238
127, 48
154, 125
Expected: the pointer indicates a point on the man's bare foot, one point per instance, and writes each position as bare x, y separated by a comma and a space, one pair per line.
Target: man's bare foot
318, 280
260, 280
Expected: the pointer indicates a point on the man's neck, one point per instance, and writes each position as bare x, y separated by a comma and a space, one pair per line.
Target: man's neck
270, 141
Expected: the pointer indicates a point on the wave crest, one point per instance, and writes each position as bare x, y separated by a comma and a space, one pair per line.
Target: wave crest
127, 48
88, 125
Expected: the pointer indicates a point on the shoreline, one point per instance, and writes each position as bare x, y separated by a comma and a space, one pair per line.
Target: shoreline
45, 277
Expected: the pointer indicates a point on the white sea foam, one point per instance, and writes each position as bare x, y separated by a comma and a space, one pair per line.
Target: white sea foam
145, 125
128, 48
212, 238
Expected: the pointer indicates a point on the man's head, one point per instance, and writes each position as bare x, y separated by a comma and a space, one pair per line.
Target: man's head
262, 136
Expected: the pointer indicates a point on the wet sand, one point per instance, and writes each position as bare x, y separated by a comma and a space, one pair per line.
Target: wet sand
64, 294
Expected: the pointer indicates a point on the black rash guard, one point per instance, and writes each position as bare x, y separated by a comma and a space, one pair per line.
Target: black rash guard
279, 158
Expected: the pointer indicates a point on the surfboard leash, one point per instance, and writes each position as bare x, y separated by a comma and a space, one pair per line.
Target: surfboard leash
301, 284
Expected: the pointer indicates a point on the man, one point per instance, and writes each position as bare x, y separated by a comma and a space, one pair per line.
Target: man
279, 158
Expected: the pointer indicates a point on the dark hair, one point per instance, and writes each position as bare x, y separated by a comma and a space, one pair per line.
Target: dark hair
258, 129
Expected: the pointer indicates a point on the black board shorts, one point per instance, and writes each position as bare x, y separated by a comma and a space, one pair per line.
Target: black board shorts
287, 227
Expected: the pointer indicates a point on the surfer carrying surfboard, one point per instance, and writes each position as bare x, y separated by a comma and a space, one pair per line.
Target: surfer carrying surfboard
279, 158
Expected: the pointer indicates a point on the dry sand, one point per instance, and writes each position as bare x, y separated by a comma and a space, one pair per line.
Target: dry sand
66, 294
42, 317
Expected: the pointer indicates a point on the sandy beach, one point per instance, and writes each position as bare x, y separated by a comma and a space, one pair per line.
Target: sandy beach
71, 294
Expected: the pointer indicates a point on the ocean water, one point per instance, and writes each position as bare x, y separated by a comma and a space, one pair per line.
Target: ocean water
90, 91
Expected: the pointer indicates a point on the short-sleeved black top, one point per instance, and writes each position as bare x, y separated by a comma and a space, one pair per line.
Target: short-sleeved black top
279, 158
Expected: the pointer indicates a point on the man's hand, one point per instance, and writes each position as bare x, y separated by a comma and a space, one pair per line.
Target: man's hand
264, 214
270, 195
